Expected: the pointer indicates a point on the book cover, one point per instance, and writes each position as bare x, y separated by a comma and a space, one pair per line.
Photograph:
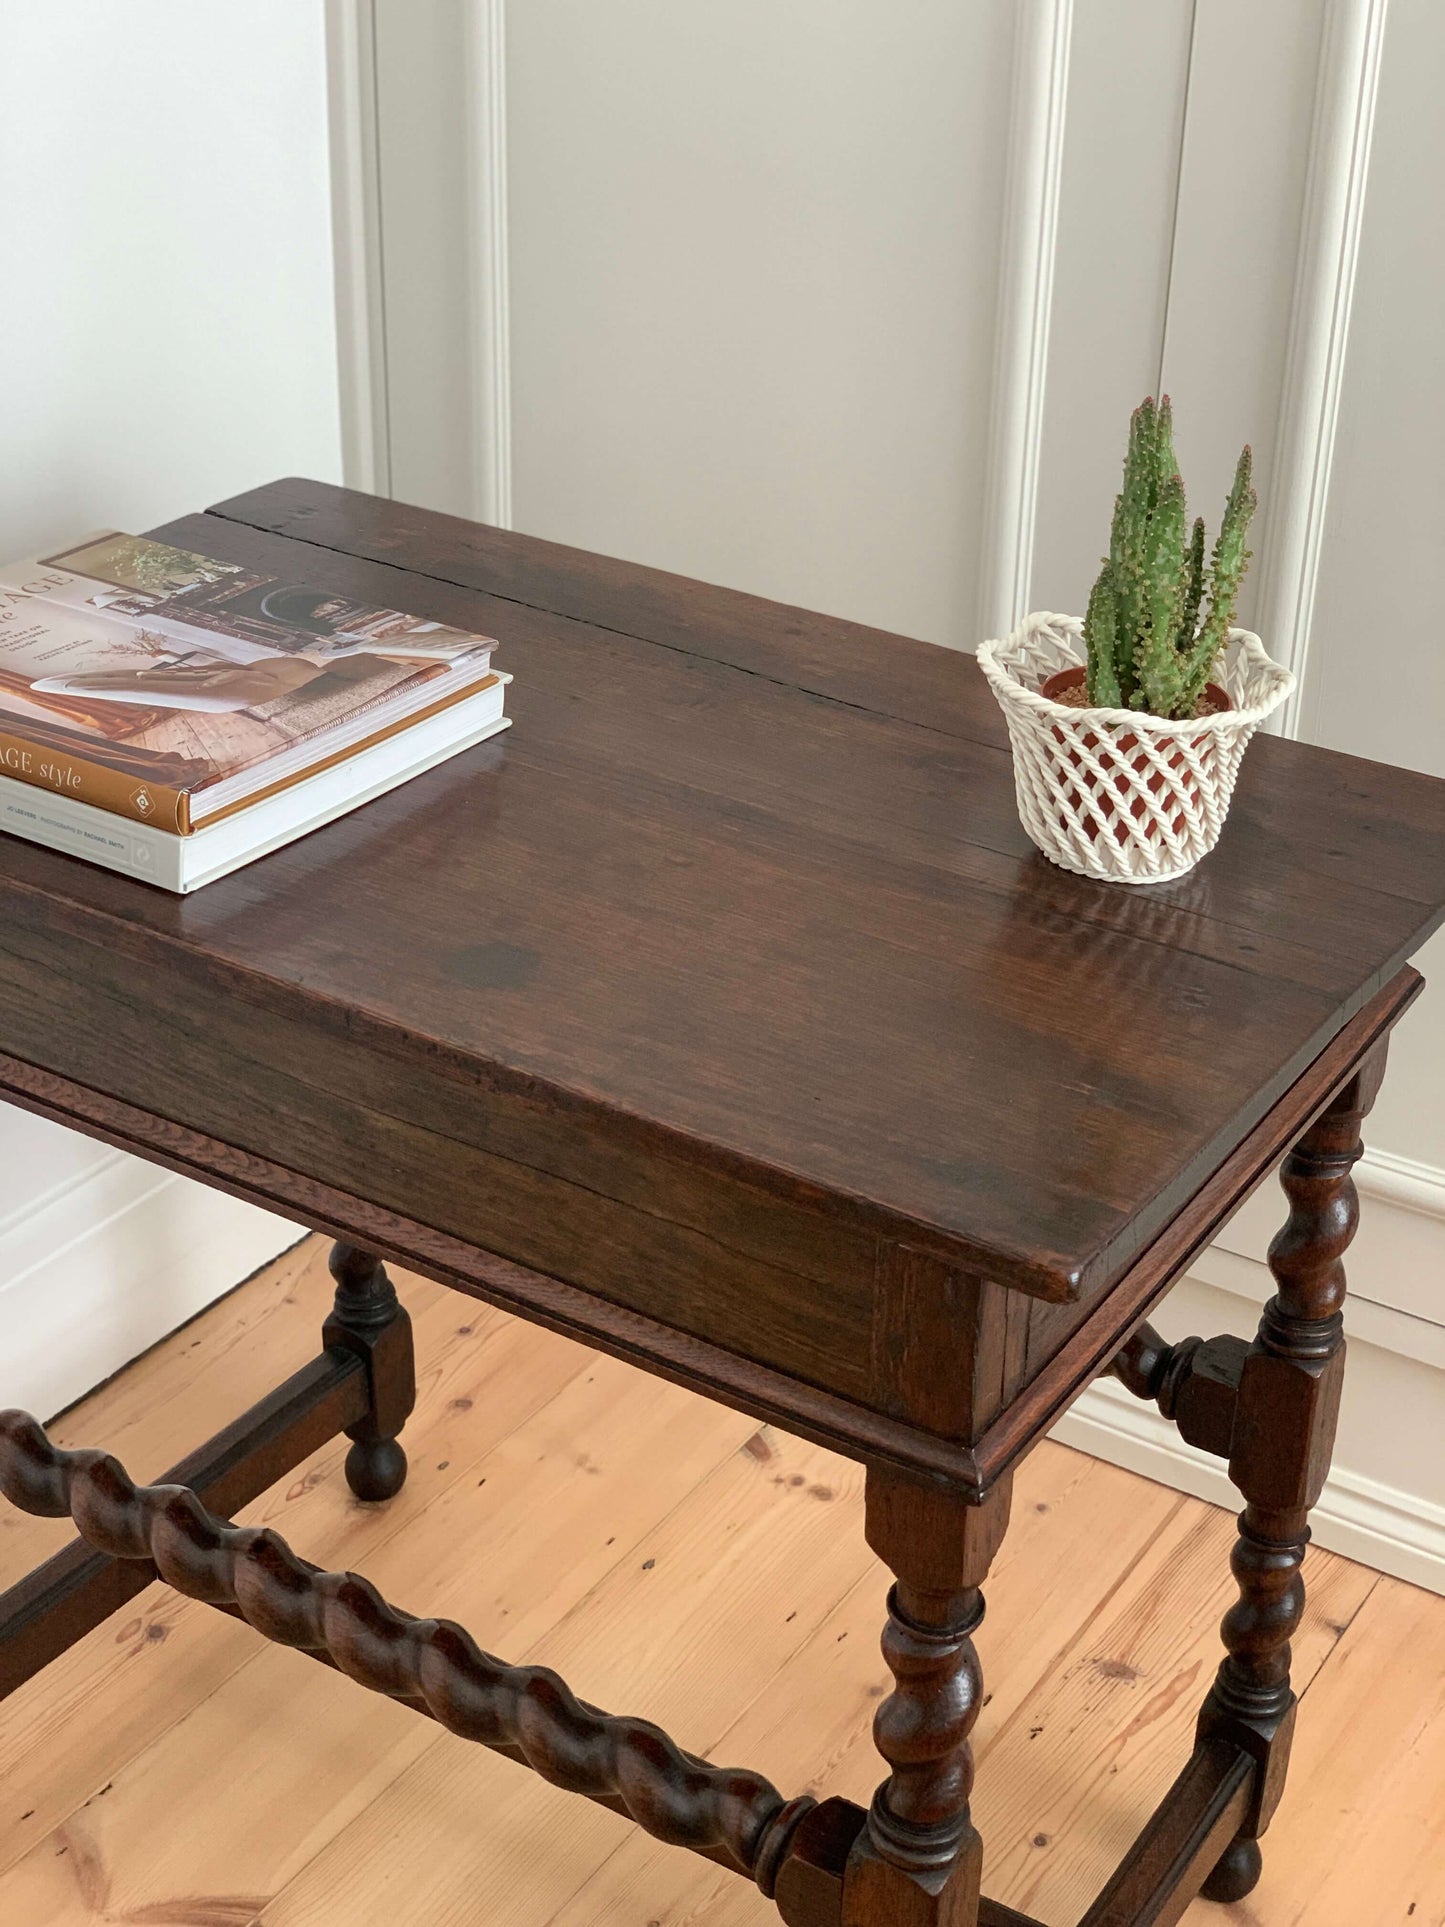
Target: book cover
135, 676
268, 821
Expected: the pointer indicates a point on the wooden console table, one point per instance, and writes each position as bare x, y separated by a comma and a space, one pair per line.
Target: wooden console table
721, 1016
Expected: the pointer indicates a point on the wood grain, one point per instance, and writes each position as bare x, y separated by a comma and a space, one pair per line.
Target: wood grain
987, 1368
1113, 1722
218, 1364
997, 1376
723, 1017
481, 1379
57, 1602
1361, 1834
1091, 1684
704, 913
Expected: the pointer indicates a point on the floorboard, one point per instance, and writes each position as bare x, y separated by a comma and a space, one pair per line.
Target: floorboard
673, 1560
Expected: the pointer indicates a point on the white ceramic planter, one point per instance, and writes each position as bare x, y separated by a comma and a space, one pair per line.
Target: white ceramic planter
1113, 793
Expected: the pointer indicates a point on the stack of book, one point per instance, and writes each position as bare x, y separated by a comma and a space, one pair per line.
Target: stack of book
174, 717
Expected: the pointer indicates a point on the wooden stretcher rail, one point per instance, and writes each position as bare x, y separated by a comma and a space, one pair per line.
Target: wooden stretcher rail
46, 1612
1154, 1885
797, 1851
733, 1817
1167, 1865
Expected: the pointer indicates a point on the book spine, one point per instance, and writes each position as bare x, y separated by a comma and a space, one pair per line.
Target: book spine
41, 816
84, 781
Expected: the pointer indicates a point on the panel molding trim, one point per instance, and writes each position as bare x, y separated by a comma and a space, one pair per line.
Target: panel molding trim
356, 244
1344, 115
1043, 29
1381, 1526
1398, 1254
1388, 1526
489, 258
1403, 1182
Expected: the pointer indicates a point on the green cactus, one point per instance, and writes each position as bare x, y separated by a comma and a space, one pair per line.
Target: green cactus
1147, 648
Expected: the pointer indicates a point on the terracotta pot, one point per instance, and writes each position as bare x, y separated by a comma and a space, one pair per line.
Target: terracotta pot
1117, 747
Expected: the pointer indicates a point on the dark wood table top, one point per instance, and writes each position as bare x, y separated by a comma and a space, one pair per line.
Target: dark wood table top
747, 885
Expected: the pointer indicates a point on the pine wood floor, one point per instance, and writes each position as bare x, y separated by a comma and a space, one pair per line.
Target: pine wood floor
676, 1561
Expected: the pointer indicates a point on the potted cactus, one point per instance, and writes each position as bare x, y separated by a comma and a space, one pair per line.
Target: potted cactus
1128, 728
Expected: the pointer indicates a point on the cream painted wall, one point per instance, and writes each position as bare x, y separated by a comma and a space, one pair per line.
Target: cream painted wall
752, 272
1373, 640
767, 286
753, 266
165, 216
1377, 667
1111, 274
752, 261
1233, 277
169, 338
753, 290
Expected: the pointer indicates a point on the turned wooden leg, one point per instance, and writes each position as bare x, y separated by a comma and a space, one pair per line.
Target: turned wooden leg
917, 1861
1284, 1434
368, 1319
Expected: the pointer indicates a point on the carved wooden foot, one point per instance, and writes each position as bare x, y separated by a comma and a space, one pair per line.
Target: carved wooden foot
368, 1319
1284, 1432
1237, 1873
917, 1861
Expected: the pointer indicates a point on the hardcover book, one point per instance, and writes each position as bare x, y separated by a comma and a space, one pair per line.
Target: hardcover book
168, 687
147, 683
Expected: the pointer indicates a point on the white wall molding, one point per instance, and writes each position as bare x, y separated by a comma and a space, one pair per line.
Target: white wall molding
17, 1223
1359, 1517
356, 243
491, 299
104, 1265
1403, 1182
1026, 284
1389, 1328
1399, 1252
1395, 1524
1339, 161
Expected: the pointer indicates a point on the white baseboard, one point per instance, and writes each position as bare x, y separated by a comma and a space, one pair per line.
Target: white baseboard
1393, 1531
1401, 1181
97, 1270
1384, 1504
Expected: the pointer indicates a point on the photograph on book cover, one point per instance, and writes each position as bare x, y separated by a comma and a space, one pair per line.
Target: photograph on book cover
135, 658
160, 584
84, 682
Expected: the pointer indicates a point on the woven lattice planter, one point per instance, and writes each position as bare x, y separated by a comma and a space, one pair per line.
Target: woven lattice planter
1113, 793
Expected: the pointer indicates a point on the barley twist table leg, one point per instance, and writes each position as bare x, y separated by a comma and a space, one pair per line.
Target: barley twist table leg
918, 1860
1284, 1433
